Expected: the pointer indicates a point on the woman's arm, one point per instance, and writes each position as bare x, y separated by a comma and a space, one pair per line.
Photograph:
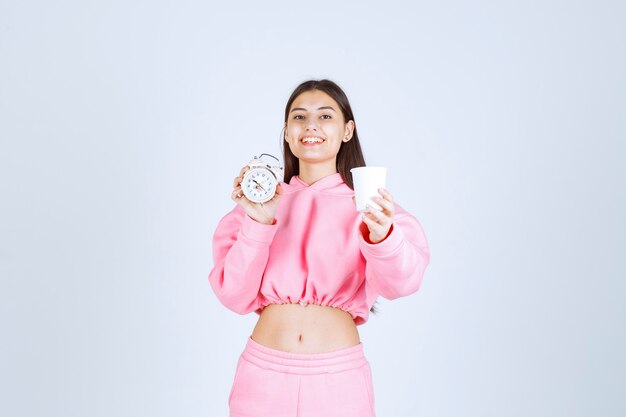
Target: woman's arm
240, 252
395, 266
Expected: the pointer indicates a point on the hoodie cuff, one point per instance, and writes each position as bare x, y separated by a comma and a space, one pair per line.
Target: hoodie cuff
257, 231
389, 245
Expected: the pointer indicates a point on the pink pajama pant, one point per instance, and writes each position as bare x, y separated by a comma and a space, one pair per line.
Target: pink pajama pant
273, 383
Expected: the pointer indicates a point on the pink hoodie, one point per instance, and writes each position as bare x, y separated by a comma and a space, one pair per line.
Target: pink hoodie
315, 253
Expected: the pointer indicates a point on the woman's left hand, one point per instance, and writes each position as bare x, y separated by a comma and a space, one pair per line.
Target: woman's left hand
379, 222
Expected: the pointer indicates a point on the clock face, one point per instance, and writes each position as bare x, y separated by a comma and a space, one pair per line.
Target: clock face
259, 185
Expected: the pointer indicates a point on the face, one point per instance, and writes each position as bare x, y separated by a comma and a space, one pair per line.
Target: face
315, 128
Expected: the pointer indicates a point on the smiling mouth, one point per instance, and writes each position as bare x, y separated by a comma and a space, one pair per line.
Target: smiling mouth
311, 139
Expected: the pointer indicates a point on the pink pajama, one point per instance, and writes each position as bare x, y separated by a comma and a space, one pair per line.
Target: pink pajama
273, 383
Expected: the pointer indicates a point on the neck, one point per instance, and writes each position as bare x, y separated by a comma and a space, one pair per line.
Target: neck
309, 173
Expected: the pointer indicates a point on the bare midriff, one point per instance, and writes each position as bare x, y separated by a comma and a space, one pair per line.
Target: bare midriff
307, 328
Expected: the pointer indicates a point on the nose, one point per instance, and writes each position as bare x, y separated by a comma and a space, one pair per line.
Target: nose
311, 124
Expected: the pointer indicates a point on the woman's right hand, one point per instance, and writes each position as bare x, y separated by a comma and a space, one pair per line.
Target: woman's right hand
261, 212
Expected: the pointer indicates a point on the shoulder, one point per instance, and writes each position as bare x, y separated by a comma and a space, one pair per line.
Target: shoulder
288, 188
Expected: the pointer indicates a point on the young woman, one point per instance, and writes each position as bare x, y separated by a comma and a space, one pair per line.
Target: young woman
312, 267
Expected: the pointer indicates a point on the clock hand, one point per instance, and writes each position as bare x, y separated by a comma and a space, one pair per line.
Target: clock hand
259, 185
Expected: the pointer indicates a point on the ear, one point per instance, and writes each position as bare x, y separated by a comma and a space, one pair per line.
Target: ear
349, 130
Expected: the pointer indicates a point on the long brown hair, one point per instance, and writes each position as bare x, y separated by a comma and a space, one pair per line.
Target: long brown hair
349, 155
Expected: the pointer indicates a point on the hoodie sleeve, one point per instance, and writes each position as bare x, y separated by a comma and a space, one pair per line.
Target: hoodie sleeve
395, 267
240, 252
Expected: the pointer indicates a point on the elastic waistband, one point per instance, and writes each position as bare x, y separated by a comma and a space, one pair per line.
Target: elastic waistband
304, 363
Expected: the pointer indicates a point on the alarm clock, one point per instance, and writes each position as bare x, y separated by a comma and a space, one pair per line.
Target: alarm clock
260, 181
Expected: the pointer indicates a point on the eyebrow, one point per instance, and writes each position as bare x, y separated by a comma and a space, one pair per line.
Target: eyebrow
319, 108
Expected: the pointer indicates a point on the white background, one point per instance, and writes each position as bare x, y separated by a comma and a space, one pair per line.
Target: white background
123, 123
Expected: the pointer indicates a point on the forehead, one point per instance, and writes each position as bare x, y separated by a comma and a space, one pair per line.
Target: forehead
314, 99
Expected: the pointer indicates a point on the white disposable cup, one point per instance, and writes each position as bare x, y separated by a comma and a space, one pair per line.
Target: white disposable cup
367, 181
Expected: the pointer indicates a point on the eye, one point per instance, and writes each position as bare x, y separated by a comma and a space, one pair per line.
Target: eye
326, 116
298, 117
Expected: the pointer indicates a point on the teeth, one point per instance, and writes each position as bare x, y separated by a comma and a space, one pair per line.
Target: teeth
312, 140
